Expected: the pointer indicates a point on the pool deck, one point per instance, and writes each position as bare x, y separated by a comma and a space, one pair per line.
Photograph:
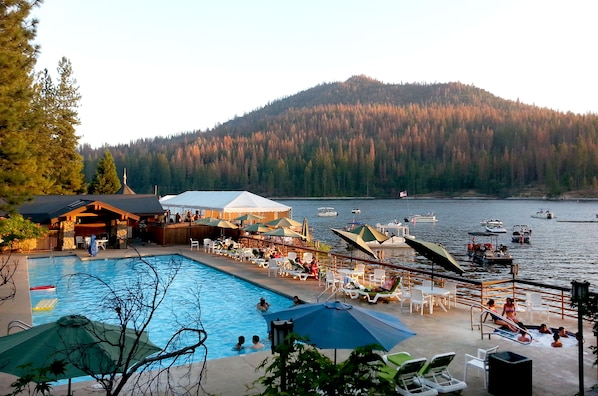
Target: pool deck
555, 371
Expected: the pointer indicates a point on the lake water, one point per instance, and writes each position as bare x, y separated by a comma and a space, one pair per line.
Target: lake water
559, 251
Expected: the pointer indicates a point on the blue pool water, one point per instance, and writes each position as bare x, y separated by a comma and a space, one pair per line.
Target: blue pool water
227, 303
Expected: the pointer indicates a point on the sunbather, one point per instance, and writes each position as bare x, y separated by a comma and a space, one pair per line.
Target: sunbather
496, 319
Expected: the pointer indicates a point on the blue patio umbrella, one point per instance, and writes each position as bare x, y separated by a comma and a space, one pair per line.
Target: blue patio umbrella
93, 246
336, 325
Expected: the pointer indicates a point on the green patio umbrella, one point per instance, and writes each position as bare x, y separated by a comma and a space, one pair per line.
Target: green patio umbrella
369, 233
220, 223
87, 347
284, 222
356, 241
248, 217
257, 227
205, 220
284, 232
305, 230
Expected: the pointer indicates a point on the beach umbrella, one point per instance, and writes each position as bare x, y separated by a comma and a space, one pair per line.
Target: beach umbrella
284, 222
257, 227
356, 241
435, 253
205, 220
284, 232
220, 223
369, 233
336, 325
305, 229
248, 217
87, 347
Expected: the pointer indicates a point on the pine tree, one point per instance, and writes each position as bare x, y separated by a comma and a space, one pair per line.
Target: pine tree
18, 169
106, 179
56, 107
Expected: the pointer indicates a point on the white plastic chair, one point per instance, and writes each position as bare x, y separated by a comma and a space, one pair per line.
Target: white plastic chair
427, 283
378, 277
405, 294
359, 271
207, 245
194, 243
80, 242
332, 280
480, 362
452, 288
292, 255
419, 300
535, 304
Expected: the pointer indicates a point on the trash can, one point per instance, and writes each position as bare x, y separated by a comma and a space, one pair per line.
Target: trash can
507, 370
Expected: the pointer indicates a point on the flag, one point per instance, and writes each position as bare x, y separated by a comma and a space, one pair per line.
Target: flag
403, 194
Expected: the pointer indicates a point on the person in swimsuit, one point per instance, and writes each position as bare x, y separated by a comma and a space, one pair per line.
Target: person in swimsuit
544, 329
509, 311
557, 341
496, 319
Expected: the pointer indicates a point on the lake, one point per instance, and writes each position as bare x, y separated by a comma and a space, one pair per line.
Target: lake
560, 251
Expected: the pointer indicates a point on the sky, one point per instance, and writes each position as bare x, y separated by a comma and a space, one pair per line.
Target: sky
149, 68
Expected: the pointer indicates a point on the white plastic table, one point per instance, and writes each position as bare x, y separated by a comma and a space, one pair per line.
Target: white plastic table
435, 292
101, 243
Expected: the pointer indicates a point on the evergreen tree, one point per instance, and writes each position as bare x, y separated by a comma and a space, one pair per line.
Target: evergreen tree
18, 169
106, 179
56, 106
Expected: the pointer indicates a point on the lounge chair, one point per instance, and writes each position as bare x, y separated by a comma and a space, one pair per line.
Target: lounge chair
436, 375
406, 377
374, 296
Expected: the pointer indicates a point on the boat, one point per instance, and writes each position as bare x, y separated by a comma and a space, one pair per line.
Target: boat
544, 214
430, 217
488, 253
327, 212
496, 226
396, 232
43, 288
356, 211
521, 234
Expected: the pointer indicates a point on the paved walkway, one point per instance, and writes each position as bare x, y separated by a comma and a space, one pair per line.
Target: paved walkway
555, 372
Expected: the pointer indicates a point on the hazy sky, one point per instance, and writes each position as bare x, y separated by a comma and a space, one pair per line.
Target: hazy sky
150, 68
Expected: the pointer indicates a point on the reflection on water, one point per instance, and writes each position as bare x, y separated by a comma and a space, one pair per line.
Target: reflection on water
559, 251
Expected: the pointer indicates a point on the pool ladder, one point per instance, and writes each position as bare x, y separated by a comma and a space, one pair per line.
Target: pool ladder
17, 324
483, 325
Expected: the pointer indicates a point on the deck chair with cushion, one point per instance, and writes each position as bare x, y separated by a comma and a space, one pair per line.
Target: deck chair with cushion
436, 375
406, 376
373, 296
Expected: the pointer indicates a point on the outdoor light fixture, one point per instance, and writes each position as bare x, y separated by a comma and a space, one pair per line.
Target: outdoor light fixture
579, 295
279, 330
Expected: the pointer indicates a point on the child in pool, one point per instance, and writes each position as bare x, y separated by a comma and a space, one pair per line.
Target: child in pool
557, 341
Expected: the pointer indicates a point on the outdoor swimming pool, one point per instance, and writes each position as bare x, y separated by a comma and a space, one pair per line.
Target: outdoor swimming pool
227, 303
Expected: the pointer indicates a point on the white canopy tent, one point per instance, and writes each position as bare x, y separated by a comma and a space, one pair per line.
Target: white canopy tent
225, 204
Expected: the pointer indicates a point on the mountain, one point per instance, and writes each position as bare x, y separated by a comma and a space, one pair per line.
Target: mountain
363, 137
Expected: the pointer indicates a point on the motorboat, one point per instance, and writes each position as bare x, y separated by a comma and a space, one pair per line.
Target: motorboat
396, 232
488, 253
521, 234
356, 211
430, 217
43, 288
496, 226
327, 212
544, 214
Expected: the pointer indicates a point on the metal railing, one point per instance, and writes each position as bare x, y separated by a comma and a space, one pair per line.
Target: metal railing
556, 299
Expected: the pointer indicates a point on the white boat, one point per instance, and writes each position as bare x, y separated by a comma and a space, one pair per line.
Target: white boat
521, 234
395, 231
327, 212
544, 214
430, 217
495, 226
356, 211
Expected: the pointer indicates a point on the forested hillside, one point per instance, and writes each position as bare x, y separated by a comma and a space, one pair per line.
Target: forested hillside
365, 138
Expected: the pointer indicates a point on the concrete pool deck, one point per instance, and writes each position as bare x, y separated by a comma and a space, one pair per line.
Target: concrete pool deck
555, 371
